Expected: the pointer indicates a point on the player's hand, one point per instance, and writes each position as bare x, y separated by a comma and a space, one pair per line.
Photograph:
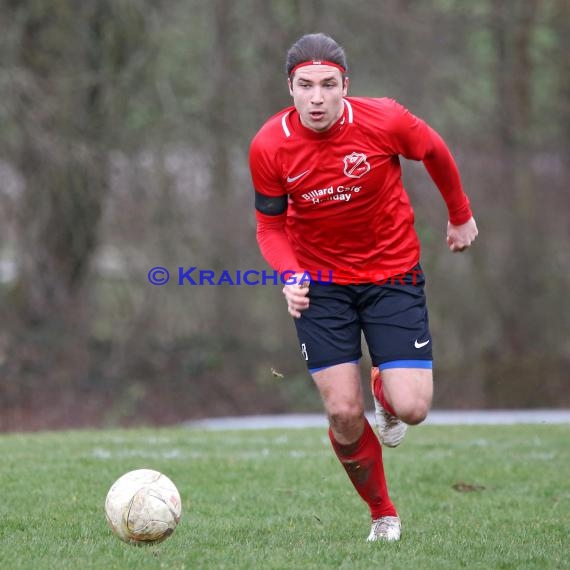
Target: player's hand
459, 238
296, 295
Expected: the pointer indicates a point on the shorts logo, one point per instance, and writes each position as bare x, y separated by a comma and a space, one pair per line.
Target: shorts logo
304, 351
356, 165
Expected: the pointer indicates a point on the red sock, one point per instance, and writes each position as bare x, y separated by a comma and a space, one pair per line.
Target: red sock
379, 392
362, 461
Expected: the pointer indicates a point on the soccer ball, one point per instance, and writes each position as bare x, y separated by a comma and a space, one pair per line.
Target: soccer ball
143, 506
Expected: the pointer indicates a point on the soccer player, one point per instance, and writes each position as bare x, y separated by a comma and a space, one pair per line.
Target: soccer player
330, 204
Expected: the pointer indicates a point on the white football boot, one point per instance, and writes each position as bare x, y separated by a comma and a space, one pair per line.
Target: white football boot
391, 430
385, 528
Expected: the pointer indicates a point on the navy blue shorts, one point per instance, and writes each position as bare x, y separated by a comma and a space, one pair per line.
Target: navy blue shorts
393, 317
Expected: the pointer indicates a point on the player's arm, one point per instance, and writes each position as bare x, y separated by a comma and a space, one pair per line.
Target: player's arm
271, 215
416, 140
271, 204
439, 162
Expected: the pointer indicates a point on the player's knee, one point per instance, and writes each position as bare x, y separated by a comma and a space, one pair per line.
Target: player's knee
345, 416
413, 412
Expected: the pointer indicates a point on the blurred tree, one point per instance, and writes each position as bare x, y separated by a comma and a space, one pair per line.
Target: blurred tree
125, 137
68, 61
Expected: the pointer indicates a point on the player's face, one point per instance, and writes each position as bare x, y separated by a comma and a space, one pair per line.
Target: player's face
317, 92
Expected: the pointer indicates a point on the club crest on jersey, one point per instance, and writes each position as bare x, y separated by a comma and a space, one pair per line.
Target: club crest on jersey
356, 165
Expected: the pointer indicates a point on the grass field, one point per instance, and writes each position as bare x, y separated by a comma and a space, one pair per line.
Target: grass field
279, 499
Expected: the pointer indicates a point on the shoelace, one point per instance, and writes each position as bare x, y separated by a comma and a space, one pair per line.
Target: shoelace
390, 419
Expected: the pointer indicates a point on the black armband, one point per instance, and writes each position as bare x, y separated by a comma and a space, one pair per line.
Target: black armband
269, 205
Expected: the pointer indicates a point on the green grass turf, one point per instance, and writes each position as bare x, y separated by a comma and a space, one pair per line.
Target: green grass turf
279, 499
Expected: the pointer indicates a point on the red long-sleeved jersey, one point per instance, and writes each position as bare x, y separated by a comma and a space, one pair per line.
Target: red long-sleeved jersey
348, 213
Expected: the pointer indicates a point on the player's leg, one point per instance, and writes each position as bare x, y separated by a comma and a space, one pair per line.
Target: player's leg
341, 391
356, 445
409, 392
402, 396
330, 340
395, 323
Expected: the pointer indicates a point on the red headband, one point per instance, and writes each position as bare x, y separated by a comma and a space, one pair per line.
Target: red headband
318, 62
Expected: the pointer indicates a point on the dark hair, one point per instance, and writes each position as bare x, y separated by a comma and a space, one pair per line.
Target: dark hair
315, 47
